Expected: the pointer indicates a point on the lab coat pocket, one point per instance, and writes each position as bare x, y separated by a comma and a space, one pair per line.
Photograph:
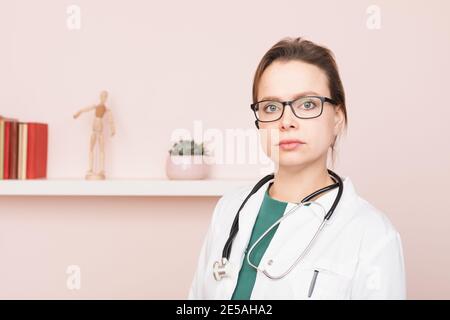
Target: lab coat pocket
329, 283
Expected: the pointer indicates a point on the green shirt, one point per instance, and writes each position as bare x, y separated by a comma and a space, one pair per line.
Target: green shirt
271, 210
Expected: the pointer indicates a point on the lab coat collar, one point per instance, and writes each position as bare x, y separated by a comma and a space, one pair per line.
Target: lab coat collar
327, 199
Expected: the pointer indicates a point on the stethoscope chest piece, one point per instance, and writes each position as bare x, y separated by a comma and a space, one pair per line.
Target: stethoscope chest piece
222, 269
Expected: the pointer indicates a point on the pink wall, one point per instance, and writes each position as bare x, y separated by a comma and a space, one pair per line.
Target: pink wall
169, 63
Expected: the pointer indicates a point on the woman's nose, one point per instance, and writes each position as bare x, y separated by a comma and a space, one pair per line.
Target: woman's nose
288, 119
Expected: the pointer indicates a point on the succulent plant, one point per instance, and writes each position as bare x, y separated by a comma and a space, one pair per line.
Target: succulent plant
187, 148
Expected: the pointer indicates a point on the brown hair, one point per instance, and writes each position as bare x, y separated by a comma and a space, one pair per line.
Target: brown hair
300, 49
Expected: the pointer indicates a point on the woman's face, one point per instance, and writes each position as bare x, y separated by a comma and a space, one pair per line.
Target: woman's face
288, 80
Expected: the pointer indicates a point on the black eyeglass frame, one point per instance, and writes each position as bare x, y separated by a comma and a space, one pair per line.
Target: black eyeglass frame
323, 99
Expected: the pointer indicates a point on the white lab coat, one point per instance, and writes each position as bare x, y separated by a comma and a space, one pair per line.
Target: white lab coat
358, 254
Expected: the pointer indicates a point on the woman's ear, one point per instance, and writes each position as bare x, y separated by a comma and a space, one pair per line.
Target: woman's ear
338, 119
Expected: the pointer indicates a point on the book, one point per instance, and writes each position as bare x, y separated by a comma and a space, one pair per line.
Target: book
2, 147
7, 150
5, 166
13, 149
22, 151
37, 150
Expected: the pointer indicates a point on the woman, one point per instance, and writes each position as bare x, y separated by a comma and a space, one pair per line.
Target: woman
299, 105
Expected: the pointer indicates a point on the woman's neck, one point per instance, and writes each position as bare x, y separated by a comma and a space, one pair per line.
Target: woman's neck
292, 184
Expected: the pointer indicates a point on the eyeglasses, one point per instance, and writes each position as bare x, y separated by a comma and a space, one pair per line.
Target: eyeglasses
307, 107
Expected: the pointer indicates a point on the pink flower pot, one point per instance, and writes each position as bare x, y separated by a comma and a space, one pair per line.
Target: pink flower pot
186, 167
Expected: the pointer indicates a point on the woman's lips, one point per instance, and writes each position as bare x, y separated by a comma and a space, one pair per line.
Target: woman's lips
290, 144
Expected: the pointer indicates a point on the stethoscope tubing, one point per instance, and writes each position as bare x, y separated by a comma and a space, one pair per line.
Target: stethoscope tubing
235, 226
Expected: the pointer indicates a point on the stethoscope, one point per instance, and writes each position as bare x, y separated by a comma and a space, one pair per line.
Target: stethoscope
223, 268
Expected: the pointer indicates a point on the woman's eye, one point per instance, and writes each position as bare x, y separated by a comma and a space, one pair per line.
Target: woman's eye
308, 105
271, 108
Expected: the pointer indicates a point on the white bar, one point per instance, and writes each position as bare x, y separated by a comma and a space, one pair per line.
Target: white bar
137, 187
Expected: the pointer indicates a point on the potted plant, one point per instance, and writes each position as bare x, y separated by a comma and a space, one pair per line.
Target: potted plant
186, 161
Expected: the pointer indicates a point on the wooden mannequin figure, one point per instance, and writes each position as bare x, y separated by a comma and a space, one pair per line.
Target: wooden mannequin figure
97, 136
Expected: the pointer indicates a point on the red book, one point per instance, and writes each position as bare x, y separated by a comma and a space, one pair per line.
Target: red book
37, 150
13, 149
6, 152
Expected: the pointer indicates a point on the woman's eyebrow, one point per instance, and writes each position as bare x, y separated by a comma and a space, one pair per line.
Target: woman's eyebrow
298, 95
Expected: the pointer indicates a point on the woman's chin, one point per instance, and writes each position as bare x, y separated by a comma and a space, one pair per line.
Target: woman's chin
290, 162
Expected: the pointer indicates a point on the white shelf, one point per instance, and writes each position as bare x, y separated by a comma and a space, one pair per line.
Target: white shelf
118, 187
